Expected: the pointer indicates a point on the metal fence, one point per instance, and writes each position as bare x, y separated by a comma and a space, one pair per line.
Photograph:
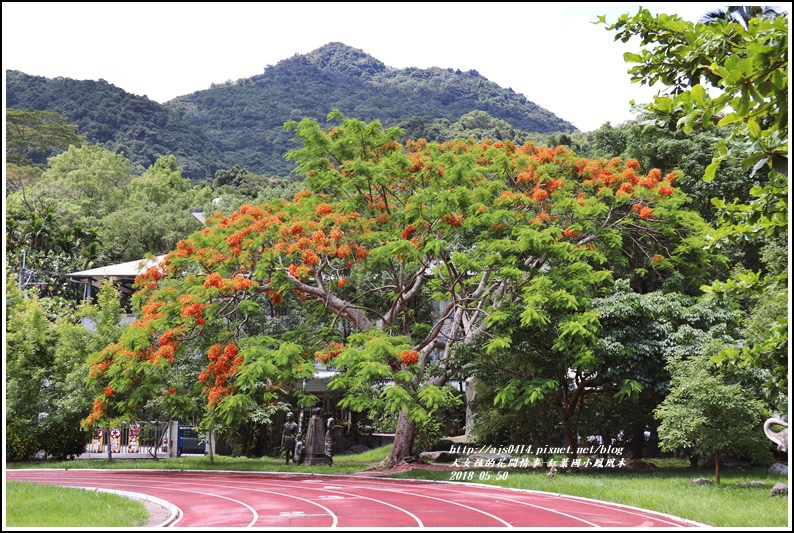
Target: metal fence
141, 439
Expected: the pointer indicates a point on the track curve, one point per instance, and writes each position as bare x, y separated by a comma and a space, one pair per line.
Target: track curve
278, 500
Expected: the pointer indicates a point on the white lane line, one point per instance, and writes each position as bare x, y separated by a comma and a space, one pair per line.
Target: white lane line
164, 486
508, 524
328, 511
638, 511
356, 496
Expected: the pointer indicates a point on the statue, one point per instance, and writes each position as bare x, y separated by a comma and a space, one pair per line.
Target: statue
315, 445
329, 441
781, 437
289, 437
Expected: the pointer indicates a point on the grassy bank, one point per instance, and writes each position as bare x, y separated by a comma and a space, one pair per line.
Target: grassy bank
39, 505
666, 489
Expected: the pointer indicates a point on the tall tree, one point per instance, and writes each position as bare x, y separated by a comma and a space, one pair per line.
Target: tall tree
711, 414
404, 252
748, 68
33, 136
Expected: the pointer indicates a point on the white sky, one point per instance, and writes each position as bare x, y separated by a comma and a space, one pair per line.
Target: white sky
550, 53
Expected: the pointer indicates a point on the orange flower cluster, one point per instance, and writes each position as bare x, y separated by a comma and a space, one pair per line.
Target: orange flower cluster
453, 219
210, 257
409, 357
324, 209
305, 193
570, 233
214, 280
224, 363
191, 308
97, 411
329, 352
310, 258
642, 210
151, 311
540, 218
153, 273
237, 283
528, 176
184, 249
539, 194
167, 352
300, 272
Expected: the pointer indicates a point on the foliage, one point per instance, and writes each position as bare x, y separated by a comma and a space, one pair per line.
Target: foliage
387, 253
45, 369
123, 123
239, 115
22, 440
33, 136
83, 181
690, 153
734, 73
749, 67
537, 423
623, 377
711, 414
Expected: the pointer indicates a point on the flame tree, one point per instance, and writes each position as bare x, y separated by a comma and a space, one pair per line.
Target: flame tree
406, 250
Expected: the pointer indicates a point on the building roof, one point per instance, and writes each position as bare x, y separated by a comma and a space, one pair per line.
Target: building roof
124, 273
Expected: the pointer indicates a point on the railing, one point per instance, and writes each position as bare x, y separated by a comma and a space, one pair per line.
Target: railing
138, 439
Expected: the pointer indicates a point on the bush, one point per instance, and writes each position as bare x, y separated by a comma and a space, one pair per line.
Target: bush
63, 439
22, 440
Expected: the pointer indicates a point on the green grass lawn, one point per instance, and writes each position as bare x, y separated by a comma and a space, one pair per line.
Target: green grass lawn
39, 505
666, 489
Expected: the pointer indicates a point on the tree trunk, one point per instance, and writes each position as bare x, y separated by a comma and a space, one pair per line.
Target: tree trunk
403, 441
570, 439
717, 468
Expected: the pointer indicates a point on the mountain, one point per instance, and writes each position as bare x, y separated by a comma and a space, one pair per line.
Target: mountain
242, 122
119, 121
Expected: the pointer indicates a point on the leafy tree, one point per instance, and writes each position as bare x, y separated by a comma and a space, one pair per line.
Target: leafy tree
748, 67
639, 333
33, 136
160, 183
401, 252
85, 183
711, 414
604, 361
155, 216
47, 350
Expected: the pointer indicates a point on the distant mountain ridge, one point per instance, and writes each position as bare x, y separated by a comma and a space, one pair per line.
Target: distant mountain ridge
242, 122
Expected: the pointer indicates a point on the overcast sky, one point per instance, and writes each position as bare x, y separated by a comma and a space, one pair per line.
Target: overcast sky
550, 53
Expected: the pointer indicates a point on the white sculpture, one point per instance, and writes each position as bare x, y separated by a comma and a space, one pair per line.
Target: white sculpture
778, 437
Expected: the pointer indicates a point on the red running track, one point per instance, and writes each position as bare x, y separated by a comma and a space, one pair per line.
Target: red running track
274, 500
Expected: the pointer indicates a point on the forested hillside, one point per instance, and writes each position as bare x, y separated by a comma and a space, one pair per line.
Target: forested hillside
110, 117
242, 122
